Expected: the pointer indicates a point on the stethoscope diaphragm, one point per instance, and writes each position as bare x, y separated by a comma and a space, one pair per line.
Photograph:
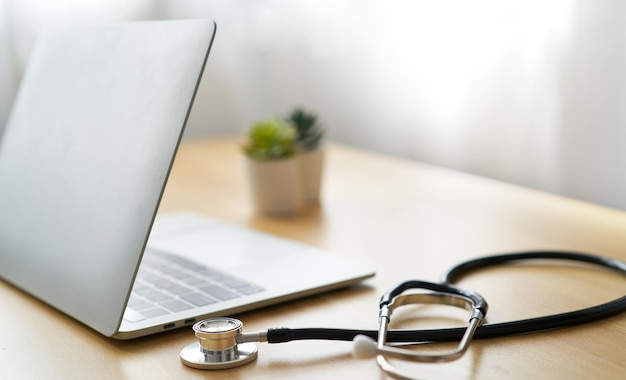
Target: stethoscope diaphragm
217, 347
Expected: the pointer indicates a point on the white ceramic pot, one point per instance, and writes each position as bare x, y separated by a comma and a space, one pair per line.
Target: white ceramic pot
275, 185
311, 164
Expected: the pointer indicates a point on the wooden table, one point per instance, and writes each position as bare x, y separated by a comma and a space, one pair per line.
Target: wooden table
408, 221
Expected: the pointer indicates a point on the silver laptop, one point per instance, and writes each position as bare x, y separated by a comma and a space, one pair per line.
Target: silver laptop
83, 163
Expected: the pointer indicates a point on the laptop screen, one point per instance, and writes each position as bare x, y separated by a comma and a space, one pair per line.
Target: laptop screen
85, 156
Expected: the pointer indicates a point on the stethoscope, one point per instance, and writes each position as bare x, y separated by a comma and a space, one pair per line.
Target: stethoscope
221, 343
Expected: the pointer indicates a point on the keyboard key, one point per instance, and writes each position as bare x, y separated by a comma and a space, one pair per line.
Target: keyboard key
142, 289
147, 276
235, 283
179, 275
219, 292
186, 263
177, 289
198, 299
133, 316
165, 267
154, 313
156, 296
175, 305
194, 280
163, 283
139, 305
208, 272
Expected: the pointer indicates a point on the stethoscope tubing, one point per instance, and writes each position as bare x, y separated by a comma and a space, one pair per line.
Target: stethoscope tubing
222, 344
462, 269
491, 330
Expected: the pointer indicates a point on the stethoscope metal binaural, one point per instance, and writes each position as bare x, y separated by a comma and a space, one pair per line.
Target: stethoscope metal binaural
221, 343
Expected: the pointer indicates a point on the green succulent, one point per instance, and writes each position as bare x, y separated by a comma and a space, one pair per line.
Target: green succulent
309, 130
271, 139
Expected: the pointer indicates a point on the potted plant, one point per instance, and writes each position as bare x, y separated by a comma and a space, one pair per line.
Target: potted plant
272, 167
309, 135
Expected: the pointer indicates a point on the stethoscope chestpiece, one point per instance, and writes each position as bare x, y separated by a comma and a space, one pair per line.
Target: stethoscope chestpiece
217, 346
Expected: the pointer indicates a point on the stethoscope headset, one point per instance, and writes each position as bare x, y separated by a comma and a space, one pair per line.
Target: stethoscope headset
221, 344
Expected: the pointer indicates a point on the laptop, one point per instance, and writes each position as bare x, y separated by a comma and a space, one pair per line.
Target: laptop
84, 160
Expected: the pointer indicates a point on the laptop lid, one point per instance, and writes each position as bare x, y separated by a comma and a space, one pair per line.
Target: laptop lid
85, 156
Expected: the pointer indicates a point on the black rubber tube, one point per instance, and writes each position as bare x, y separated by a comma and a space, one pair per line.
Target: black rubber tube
493, 330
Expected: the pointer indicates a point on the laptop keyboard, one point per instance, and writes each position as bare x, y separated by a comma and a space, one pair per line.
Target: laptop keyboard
168, 284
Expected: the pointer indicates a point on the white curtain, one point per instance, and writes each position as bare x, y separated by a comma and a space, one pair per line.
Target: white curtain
530, 92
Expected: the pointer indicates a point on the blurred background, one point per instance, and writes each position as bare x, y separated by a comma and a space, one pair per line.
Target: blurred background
529, 92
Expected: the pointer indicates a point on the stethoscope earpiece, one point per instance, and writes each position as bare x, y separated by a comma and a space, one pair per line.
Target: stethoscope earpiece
364, 347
